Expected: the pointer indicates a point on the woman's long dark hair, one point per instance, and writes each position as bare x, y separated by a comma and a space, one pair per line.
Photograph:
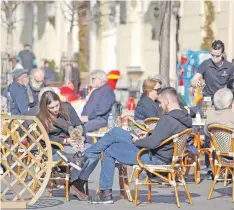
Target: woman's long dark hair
45, 116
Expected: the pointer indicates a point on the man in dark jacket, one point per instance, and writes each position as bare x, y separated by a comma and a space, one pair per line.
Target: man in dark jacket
98, 107
119, 145
27, 58
17, 95
50, 74
35, 84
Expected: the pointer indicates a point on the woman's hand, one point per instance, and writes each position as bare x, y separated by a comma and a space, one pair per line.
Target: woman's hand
84, 119
67, 141
134, 138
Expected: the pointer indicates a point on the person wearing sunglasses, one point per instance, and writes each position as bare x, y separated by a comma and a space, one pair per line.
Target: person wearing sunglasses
215, 72
146, 106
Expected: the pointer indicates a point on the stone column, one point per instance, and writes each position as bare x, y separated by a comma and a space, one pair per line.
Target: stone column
92, 40
136, 33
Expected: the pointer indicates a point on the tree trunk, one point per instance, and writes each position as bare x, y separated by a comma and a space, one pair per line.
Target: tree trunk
164, 39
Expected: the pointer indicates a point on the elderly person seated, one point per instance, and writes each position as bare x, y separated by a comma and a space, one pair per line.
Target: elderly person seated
98, 107
222, 115
146, 106
35, 84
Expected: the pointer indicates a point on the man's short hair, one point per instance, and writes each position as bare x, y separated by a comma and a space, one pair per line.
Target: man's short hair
217, 45
46, 62
36, 70
233, 60
169, 90
223, 99
99, 74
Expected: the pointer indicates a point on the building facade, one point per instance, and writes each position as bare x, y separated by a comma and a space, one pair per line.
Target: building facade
123, 35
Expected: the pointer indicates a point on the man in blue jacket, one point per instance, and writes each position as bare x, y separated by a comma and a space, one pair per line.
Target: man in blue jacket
98, 107
17, 92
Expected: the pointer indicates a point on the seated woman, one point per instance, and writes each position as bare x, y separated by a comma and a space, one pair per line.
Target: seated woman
57, 119
146, 106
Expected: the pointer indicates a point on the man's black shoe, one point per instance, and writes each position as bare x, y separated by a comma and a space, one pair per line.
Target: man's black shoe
104, 197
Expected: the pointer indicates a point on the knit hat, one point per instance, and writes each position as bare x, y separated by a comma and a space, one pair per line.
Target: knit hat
18, 72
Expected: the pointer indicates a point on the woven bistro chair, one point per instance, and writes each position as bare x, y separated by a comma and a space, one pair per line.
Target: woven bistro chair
6, 129
54, 174
149, 124
173, 170
191, 160
223, 141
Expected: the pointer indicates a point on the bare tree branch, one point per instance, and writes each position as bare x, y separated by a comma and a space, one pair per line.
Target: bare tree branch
6, 6
3, 19
64, 13
16, 5
69, 7
16, 21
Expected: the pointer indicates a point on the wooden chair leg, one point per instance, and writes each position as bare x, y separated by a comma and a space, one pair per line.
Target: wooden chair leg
175, 189
186, 188
126, 184
199, 167
51, 185
132, 174
34, 187
149, 193
136, 187
121, 182
225, 177
19, 167
214, 182
146, 180
67, 183
28, 162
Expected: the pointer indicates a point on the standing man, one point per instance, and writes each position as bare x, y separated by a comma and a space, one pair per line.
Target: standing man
216, 71
50, 74
27, 58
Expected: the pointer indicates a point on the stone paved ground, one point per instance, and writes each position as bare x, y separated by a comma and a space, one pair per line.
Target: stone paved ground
162, 198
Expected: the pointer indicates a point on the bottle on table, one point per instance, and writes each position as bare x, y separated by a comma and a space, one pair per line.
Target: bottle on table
110, 121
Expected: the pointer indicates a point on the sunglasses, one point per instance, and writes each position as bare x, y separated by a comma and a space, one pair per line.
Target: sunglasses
217, 56
157, 90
